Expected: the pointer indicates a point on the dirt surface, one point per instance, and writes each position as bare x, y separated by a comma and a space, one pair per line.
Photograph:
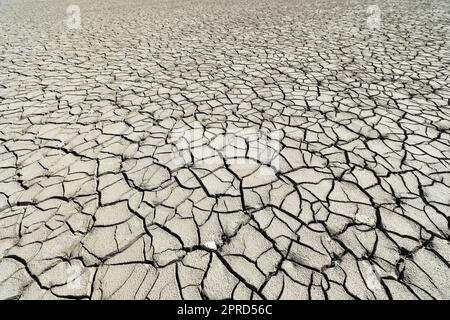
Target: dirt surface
224, 149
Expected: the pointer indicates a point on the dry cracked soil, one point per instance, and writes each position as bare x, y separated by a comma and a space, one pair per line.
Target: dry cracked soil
224, 149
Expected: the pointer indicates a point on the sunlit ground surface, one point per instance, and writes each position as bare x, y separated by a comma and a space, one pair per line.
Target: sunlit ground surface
224, 149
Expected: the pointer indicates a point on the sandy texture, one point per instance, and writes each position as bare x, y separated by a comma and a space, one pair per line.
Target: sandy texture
224, 149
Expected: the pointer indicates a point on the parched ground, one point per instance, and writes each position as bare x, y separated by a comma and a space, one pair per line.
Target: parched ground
129, 149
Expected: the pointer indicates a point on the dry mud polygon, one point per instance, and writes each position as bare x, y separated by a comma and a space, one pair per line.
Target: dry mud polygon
126, 170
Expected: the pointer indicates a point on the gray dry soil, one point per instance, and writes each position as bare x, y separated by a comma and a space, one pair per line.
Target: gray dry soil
94, 203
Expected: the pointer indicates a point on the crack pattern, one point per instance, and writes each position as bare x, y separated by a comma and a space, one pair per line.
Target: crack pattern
94, 204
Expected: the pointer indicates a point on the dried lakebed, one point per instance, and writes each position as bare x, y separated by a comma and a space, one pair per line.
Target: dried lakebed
224, 149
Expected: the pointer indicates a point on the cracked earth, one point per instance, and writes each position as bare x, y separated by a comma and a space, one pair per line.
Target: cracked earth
128, 167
